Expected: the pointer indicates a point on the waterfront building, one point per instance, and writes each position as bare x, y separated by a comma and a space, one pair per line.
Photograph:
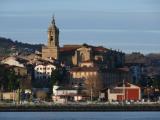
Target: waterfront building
93, 79
123, 92
65, 94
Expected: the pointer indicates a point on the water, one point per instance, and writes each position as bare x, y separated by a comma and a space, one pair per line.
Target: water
79, 115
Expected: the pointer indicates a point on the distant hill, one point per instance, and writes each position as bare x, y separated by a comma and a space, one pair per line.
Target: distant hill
149, 59
135, 58
8, 46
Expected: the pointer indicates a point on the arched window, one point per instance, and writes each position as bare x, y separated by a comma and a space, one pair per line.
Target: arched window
82, 57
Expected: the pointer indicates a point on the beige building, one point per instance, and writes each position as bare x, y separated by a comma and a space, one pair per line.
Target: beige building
88, 79
9, 96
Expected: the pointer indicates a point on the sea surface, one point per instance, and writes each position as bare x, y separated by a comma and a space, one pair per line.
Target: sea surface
79, 115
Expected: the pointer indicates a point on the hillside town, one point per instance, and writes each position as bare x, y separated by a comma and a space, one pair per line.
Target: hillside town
77, 73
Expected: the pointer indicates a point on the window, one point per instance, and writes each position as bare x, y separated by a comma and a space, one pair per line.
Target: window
52, 68
44, 77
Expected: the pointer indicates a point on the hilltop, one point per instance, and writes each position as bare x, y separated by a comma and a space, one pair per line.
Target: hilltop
8, 46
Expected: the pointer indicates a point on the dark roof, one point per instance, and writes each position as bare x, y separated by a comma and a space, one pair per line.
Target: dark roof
21, 60
126, 84
124, 69
86, 69
45, 62
66, 88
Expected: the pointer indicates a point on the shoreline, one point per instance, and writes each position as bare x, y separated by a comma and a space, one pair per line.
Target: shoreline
79, 108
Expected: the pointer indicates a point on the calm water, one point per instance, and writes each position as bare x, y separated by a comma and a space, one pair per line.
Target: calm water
79, 115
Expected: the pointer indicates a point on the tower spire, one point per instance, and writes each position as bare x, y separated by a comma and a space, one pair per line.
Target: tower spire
53, 20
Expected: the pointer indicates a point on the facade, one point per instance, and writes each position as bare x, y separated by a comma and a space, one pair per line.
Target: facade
87, 79
93, 78
20, 71
74, 55
113, 77
9, 96
63, 95
80, 75
124, 92
43, 71
51, 51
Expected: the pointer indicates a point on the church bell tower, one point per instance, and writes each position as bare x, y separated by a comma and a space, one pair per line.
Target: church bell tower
53, 34
52, 48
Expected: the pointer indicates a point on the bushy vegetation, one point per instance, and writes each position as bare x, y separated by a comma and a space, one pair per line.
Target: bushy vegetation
8, 79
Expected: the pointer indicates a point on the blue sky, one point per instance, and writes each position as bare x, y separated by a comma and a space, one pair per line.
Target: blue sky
127, 25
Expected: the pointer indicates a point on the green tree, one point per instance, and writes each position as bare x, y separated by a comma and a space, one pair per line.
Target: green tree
59, 76
8, 79
56, 76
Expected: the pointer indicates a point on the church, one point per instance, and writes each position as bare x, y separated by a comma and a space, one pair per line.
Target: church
89, 66
74, 55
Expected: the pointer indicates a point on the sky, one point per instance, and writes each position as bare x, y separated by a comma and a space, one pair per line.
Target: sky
127, 25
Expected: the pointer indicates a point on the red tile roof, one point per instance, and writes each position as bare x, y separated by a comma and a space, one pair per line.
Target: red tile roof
100, 49
68, 48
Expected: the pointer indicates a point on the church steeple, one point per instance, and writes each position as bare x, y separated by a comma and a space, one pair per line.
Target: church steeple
52, 48
53, 34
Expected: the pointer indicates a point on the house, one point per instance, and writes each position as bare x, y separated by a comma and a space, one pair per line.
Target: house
124, 92
87, 79
9, 96
43, 71
91, 78
14, 61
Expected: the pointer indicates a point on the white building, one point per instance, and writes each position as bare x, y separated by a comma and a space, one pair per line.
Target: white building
126, 91
63, 95
43, 71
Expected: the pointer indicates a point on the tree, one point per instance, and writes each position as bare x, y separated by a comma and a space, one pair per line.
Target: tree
55, 76
59, 76
93, 84
8, 79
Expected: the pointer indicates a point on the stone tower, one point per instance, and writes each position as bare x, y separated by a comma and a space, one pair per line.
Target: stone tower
52, 48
